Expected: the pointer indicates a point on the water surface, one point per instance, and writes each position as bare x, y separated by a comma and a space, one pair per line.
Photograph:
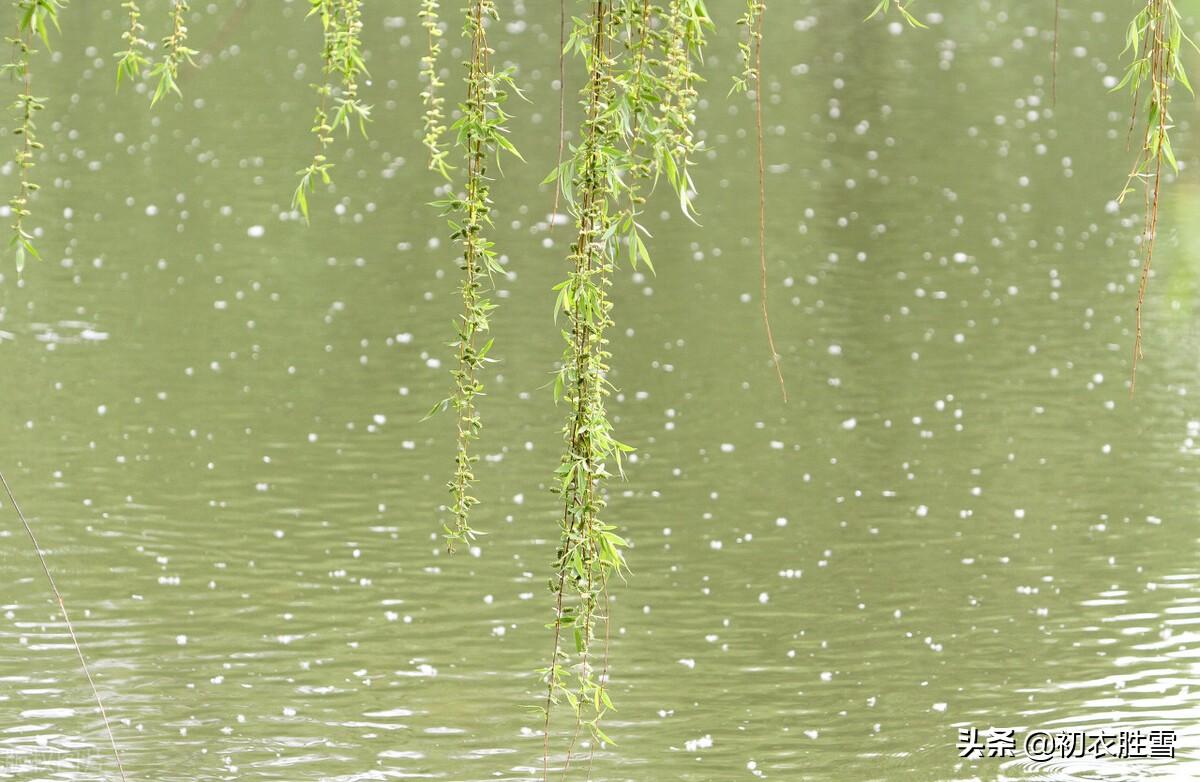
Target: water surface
960, 518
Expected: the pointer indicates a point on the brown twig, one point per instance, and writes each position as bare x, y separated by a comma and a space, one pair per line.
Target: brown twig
1159, 73
762, 197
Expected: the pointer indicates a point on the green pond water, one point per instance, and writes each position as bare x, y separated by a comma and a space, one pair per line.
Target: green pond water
212, 416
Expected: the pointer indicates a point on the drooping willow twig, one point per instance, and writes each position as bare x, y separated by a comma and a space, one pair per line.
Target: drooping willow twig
751, 52
34, 19
176, 52
62, 607
481, 132
1155, 39
133, 59
431, 96
638, 124
342, 63
588, 549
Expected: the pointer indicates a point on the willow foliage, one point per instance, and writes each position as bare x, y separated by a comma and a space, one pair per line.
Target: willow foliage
481, 134
176, 52
342, 65
135, 56
638, 125
434, 119
901, 6
34, 20
1155, 41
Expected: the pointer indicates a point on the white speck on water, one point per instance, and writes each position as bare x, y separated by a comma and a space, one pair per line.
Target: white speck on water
781, 522
694, 745
812, 734
688, 662
181, 640
256, 231
763, 597
727, 447
939, 707
922, 511
849, 424
43, 714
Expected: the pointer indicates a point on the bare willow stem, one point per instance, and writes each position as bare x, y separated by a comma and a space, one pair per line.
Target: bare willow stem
67, 620
762, 197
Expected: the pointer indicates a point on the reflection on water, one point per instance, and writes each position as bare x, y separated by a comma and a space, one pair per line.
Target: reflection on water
960, 519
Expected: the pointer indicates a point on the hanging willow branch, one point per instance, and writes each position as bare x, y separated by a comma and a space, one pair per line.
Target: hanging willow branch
676, 138
175, 53
342, 62
1154, 38
589, 550
348, 62
481, 134
134, 58
34, 18
434, 120
639, 114
751, 54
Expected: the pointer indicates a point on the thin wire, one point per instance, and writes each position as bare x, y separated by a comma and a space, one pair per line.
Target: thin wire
67, 619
